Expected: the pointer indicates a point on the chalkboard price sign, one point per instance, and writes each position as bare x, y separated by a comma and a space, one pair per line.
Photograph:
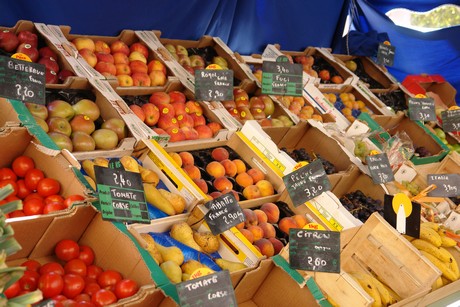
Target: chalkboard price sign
380, 168
314, 250
451, 120
422, 109
307, 182
282, 77
121, 195
213, 84
386, 54
224, 213
447, 185
22, 80
213, 290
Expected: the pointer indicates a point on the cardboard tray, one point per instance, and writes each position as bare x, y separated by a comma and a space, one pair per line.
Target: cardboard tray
422, 84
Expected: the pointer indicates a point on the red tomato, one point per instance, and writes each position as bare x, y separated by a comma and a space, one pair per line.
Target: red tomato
85, 304
75, 266
86, 254
82, 297
23, 191
21, 165
13, 183
33, 206
12, 290
17, 213
53, 207
33, 195
73, 285
51, 284
68, 303
32, 265
55, 198
48, 186
91, 288
67, 249
59, 297
72, 199
32, 177
52, 267
108, 279
29, 280
126, 288
103, 298
7, 173
93, 271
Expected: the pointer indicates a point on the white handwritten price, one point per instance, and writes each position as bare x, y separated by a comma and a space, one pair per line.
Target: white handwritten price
282, 69
456, 126
313, 191
316, 262
233, 216
24, 92
120, 180
215, 94
449, 188
383, 177
423, 116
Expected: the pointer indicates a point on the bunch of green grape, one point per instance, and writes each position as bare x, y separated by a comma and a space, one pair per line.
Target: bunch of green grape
412, 187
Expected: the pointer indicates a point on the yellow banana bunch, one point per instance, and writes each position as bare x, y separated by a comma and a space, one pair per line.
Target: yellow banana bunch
446, 270
366, 281
430, 235
439, 252
446, 241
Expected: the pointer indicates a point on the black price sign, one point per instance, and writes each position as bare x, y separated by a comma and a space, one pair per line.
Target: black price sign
213, 84
386, 54
422, 109
380, 168
307, 182
451, 120
214, 290
224, 213
45, 303
22, 80
314, 250
121, 194
282, 77
447, 185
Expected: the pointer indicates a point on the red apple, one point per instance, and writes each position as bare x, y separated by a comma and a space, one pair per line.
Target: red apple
47, 52
324, 75
104, 57
240, 96
215, 127
51, 77
64, 74
184, 60
29, 50
125, 80
159, 97
106, 68
82, 123
120, 58
123, 69
269, 106
84, 43
138, 111
8, 41
27, 37
138, 66
89, 56
196, 60
49, 63
101, 46
156, 65
119, 46
152, 114
140, 79
158, 78
137, 56
140, 47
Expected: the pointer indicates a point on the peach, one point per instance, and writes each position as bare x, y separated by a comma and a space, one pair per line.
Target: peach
230, 167
257, 232
287, 223
204, 132
272, 211
177, 96
244, 180
159, 97
120, 58
301, 220
193, 107
138, 111
190, 133
198, 120
251, 192
277, 245
248, 234
215, 194
215, 127
265, 246
176, 135
193, 171
187, 158
222, 183
159, 131
220, 154
261, 216
184, 120
166, 121
166, 109
235, 193
256, 174
176, 157
179, 108
265, 187
240, 166
240, 226
215, 169
201, 183
269, 230
251, 217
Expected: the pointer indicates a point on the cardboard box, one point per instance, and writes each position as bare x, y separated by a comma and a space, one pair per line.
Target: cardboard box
422, 84
112, 248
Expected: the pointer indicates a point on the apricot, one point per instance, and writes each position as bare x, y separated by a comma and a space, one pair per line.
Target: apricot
215, 169
251, 217
222, 183
261, 216
192, 171
230, 167
256, 174
201, 183
269, 230
277, 245
257, 232
251, 192
176, 157
287, 223
248, 234
187, 158
244, 180
272, 211
265, 187
220, 154
215, 194
240, 166
301, 220
265, 246
240, 225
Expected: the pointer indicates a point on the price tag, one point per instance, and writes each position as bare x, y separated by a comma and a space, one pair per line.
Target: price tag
45, 303
422, 109
307, 182
403, 214
214, 290
213, 84
224, 213
21, 80
380, 168
386, 54
282, 77
451, 120
121, 194
447, 185
314, 250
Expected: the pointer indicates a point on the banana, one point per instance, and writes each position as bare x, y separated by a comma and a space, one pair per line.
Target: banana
445, 281
367, 283
439, 252
437, 284
428, 234
408, 238
384, 294
432, 225
394, 297
443, 267
453, 265
447, 242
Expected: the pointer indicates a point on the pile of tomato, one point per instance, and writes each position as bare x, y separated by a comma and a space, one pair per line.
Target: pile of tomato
39, 194
74, 280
